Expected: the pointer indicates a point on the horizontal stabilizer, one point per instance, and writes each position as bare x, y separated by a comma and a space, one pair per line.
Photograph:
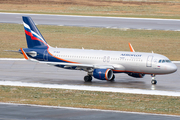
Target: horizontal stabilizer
12, 51
25, 55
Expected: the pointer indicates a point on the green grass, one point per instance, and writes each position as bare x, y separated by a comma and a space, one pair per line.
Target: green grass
167, 9
90, 99
12, 37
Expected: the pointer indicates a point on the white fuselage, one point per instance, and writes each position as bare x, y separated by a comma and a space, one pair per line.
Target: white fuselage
135, 62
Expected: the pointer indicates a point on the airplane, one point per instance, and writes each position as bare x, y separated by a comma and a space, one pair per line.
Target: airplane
100, 64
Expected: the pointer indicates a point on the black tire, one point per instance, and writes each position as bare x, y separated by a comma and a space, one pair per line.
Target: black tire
154, 82
90, 78
87, 78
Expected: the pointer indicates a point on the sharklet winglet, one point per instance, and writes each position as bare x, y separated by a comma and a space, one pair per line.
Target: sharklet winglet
131, 48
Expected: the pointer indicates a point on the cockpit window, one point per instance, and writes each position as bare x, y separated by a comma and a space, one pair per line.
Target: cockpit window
164, 61
168, 61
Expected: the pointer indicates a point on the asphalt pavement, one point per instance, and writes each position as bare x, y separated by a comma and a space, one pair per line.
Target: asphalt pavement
31, 112
93, 21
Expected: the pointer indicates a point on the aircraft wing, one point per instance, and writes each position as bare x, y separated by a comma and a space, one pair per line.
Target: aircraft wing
68, 64
79, 65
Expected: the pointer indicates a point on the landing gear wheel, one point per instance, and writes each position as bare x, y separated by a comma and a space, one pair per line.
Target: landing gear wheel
88, 78
154, 82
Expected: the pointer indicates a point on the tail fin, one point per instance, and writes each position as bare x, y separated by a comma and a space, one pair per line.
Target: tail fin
33, 36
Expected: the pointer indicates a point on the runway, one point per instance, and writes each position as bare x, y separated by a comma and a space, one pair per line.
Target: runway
34, 112
20, 70
92, 21
31, 72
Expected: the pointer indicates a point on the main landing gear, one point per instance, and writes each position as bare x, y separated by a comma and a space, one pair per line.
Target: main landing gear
88, 78
154, 82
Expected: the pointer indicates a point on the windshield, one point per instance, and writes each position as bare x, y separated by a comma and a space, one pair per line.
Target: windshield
164, 61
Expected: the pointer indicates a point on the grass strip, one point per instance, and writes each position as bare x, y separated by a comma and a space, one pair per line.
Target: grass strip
168, 9
12, 37
90, 99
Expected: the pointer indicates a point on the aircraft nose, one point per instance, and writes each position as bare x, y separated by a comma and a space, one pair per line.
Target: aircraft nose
172, 68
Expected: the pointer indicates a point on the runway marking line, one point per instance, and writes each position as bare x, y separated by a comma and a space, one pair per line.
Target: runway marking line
92, 88
88, 109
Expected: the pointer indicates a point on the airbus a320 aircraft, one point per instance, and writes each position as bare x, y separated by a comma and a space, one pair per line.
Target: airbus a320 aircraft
99, 64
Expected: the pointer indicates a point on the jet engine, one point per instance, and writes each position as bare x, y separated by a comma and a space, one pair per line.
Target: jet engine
136, 75
103, 74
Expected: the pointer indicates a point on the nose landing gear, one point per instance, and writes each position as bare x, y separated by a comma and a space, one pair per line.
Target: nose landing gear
154, 82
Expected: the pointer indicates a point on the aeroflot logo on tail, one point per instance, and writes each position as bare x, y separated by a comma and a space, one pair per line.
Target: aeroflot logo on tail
131, 55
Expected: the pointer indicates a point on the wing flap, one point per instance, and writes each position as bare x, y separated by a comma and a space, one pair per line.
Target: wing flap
69, 64
78, 65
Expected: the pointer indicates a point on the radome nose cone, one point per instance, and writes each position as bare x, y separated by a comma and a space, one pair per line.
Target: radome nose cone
173, 68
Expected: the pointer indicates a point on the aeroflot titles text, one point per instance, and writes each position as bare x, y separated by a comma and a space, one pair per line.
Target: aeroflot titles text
131, 55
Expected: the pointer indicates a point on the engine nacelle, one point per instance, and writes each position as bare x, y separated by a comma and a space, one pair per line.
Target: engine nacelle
136, 75
103, 74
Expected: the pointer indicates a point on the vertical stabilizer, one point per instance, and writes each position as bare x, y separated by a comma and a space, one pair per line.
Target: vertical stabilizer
33, 36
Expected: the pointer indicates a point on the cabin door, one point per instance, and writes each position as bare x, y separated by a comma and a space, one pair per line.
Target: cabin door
149, 61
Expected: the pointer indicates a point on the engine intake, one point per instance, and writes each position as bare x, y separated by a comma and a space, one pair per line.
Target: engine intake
103, 74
